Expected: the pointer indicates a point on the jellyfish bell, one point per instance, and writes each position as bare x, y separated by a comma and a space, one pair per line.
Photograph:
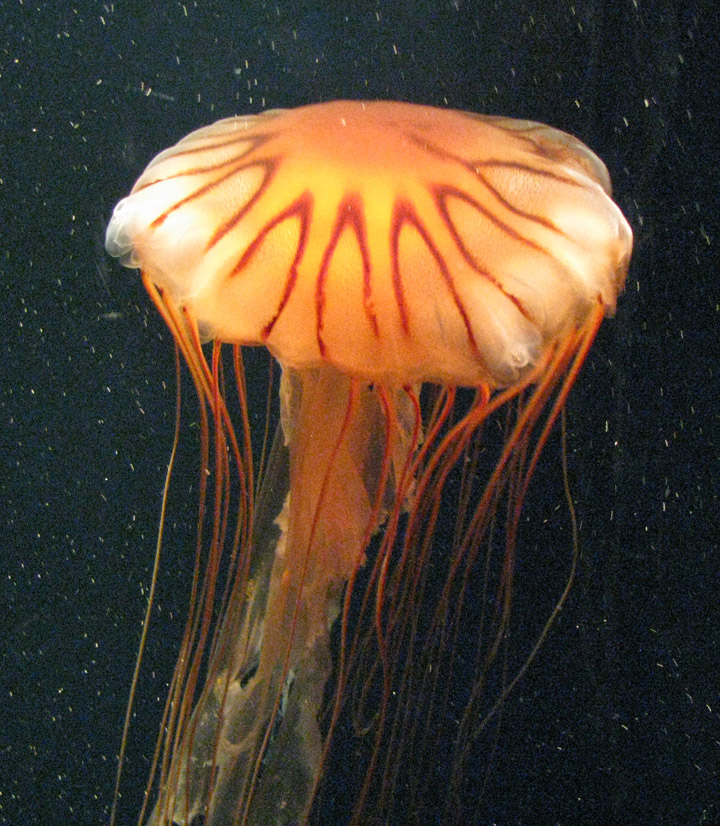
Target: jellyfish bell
376, 250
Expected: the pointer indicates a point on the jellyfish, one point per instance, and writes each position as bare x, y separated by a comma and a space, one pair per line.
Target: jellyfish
430, 283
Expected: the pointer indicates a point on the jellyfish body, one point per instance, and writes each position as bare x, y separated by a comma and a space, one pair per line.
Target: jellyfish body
373, 248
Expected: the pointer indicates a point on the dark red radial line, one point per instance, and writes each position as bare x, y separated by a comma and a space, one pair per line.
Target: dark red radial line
269, 165
254, 142
520, 134
440, 194
540, 147
404, 212
521, 213
231, 163
349, 213
398, 217
473, 168
302, 208
202, 170
526, 167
